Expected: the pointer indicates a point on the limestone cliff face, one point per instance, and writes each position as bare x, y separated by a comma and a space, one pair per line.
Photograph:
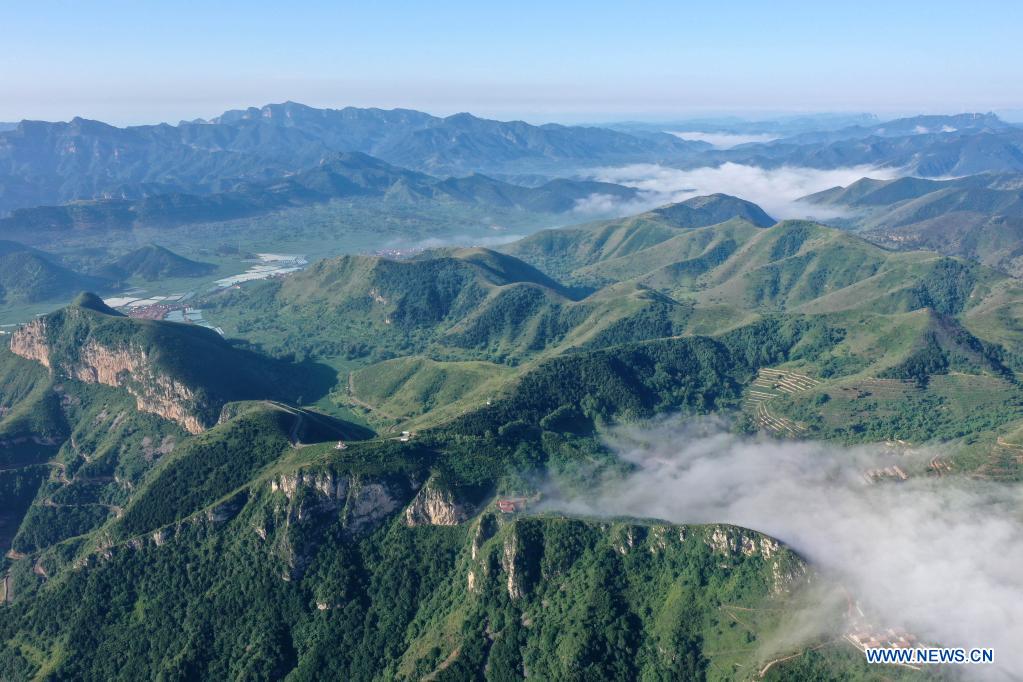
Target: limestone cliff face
517, 561
121, 367
732, 539
786, 569
312, 497
30, 342
511, 561
435, 505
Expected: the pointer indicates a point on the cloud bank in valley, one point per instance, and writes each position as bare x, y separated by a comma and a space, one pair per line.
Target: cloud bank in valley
776, 190
466, 240
938, 556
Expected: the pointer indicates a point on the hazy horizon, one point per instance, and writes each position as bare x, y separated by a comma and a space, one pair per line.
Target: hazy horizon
539, 118
131, 63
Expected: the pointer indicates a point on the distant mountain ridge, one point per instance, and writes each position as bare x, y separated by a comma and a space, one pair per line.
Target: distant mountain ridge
913, 125
454, 144
978, 217
351, 174
51, 163
45, 163
28, 275
928, 146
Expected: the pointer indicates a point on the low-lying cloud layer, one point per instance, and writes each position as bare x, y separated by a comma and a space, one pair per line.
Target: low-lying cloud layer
941, 557
776, 190
467, 240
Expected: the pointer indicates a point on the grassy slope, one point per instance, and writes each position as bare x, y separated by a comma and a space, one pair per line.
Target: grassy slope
690, 281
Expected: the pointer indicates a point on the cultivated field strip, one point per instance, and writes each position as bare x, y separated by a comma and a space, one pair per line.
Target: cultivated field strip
770, 384
780, 425
1003, 461
786, 382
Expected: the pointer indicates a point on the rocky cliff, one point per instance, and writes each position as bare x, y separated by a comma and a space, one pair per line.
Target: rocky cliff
436, 505
120, 366
307, 499
517, 560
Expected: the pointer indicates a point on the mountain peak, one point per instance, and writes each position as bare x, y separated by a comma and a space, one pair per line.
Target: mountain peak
713, 209
151, 262
90, 301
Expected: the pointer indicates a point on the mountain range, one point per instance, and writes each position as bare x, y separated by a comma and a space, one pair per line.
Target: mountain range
931, 154
345, 175
978, 217
53, 163
45, 163
372, 468
957, 124
365, 458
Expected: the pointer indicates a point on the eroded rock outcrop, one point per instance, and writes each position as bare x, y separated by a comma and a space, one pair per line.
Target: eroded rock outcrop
313, 497
786, 569
122, 367
436, 505
30, 342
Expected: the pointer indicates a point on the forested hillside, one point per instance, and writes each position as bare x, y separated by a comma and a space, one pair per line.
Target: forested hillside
366, 458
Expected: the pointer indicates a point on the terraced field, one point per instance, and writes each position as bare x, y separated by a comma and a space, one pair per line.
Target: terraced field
771, 384
1004, 462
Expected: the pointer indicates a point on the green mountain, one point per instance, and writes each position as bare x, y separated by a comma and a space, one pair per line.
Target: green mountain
563, 250
154, 262
428, 347
180, 505
977, 217
711, 210
182, 372
463, 304
29, 276
394, 547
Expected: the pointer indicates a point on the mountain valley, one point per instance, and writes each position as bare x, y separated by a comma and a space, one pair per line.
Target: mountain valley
303, 393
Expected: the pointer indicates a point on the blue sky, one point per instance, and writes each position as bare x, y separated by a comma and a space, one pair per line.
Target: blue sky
150, 60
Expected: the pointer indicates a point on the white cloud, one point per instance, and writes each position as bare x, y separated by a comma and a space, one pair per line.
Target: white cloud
724, 140
461, 240
603, 204
938, 556
776, 190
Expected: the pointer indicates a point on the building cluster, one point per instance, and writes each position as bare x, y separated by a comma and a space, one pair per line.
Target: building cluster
510, 505
866, 636
893, 472
156, 311
398, 253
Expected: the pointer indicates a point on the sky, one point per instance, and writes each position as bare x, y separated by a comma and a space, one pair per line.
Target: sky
144, 61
